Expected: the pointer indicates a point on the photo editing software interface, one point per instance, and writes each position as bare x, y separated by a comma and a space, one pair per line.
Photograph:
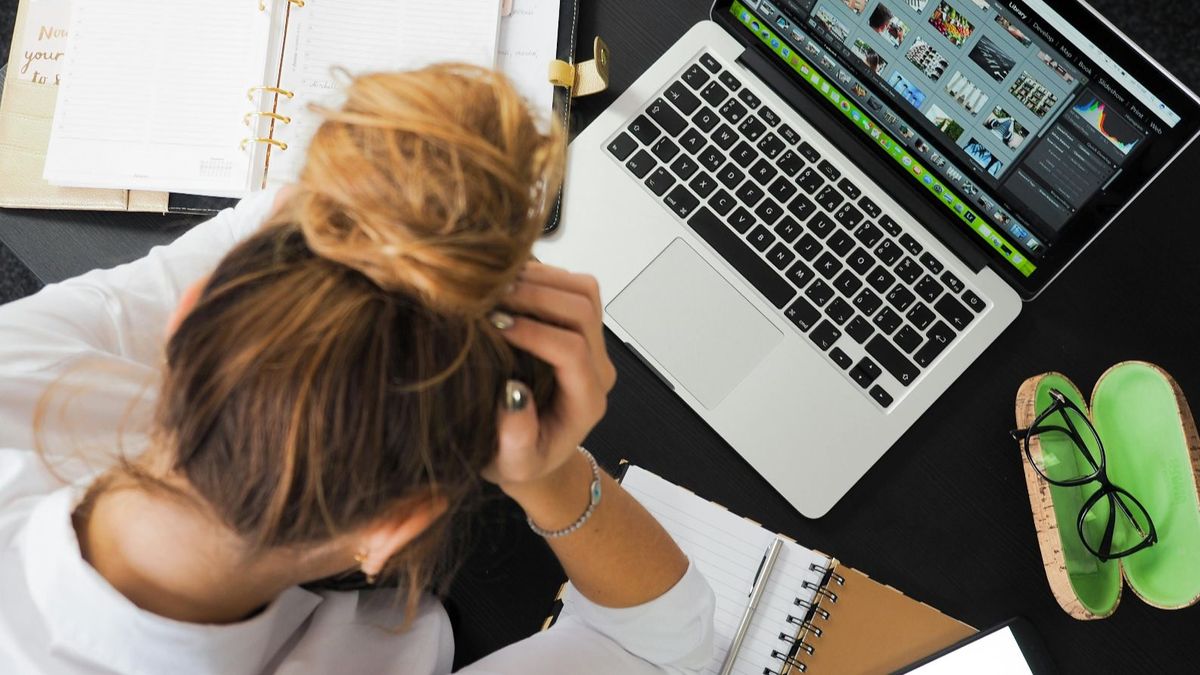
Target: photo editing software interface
999, 108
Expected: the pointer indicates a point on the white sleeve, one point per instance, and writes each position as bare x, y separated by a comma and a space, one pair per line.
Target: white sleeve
106, 327
670, 634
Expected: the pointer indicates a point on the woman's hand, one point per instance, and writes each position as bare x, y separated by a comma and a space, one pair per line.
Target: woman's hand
559, 320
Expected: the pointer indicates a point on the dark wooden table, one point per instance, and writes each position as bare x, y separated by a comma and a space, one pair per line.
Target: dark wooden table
944, 516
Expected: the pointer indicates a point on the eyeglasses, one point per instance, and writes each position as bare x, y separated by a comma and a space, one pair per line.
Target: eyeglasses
1103, 533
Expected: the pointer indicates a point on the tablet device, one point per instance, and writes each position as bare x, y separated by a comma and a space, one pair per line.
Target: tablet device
1012, 648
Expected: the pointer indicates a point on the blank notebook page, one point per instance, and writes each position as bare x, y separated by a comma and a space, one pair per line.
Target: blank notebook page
154, 94
727, 550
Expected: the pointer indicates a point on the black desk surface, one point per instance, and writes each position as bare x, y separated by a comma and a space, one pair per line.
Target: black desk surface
944, 516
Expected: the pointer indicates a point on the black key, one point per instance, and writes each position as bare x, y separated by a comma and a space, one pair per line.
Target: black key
840, 242
667, 118
809, 152
952, 282
892, 360
683, 99
732, 111
730, 175
900, 298
908, 339
800, 274
828, 170
644, 130
714, 93
692, 141
819, 292
940, 336
664, 149
928, 288
780, 256
859, 329
867, 302
740, 220
887, 320
880, 279
770, 145
730, 81
682, 202
706, 119
847, 283
849, 216
722, 202
641, 164
763, 172
749, 193
881, 397
908, 270
788, 229
802, 207
803, 314
911, 245
739, 254
769, 116
888, 252
860, 261
695, 77
828, 266
840, 358
744, 154
920, 316
753, 127
821, 224
808, 247
850, 189
973, 301
761, 238
790, 163
709, 62
932, 264
829, 198
684, 167
703, 184
749, 98
869, 207
825, 335
954, 312
890, 226
622, 146
782, 189
865, 373
711, 158
768, 211
659, 181
789, 134
839, 311
868, 234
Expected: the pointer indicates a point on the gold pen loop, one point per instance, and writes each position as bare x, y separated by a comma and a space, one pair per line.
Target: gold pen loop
269, 141
274, 90
269, 115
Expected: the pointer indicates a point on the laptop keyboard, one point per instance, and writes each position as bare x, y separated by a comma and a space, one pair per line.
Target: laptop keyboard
847, 275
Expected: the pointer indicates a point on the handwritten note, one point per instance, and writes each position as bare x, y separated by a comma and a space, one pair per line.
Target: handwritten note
44, 43
528, 43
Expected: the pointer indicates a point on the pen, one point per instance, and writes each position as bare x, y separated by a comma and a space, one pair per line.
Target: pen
756, 593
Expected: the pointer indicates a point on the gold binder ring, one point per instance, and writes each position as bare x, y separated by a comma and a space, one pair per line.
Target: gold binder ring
269, 115
274, 90
269, 141
262, 4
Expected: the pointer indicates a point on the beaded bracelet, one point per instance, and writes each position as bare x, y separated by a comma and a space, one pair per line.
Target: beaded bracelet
593, 502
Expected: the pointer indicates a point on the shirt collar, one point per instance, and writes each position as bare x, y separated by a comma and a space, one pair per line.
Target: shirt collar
88, 618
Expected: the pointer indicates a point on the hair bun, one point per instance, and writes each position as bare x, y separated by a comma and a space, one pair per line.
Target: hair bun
434, 182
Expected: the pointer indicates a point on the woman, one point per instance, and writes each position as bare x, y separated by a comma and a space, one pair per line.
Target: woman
338, 382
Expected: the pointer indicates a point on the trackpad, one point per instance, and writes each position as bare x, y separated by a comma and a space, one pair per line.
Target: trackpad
702, 330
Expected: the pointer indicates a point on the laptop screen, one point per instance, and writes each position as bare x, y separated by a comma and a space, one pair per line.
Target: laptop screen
1026, 132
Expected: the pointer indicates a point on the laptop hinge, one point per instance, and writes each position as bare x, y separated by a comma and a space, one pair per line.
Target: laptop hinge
858, 151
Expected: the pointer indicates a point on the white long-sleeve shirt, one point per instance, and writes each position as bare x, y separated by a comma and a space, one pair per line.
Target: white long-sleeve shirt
99, 339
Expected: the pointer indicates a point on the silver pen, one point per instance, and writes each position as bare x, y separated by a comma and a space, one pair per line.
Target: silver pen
756, 593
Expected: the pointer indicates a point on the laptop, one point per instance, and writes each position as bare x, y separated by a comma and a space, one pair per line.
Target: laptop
808, 217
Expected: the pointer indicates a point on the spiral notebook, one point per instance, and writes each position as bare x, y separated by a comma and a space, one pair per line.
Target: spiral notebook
815, 614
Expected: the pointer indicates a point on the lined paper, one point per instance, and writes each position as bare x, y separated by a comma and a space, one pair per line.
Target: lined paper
528, 43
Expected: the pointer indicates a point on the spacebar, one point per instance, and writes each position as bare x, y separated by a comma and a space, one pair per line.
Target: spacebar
743, 258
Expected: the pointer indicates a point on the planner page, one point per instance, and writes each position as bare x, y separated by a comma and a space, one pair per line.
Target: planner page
528, 43
728, 550
328, 39
154, 95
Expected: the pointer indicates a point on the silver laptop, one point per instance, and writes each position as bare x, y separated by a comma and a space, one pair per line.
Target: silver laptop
810, 216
